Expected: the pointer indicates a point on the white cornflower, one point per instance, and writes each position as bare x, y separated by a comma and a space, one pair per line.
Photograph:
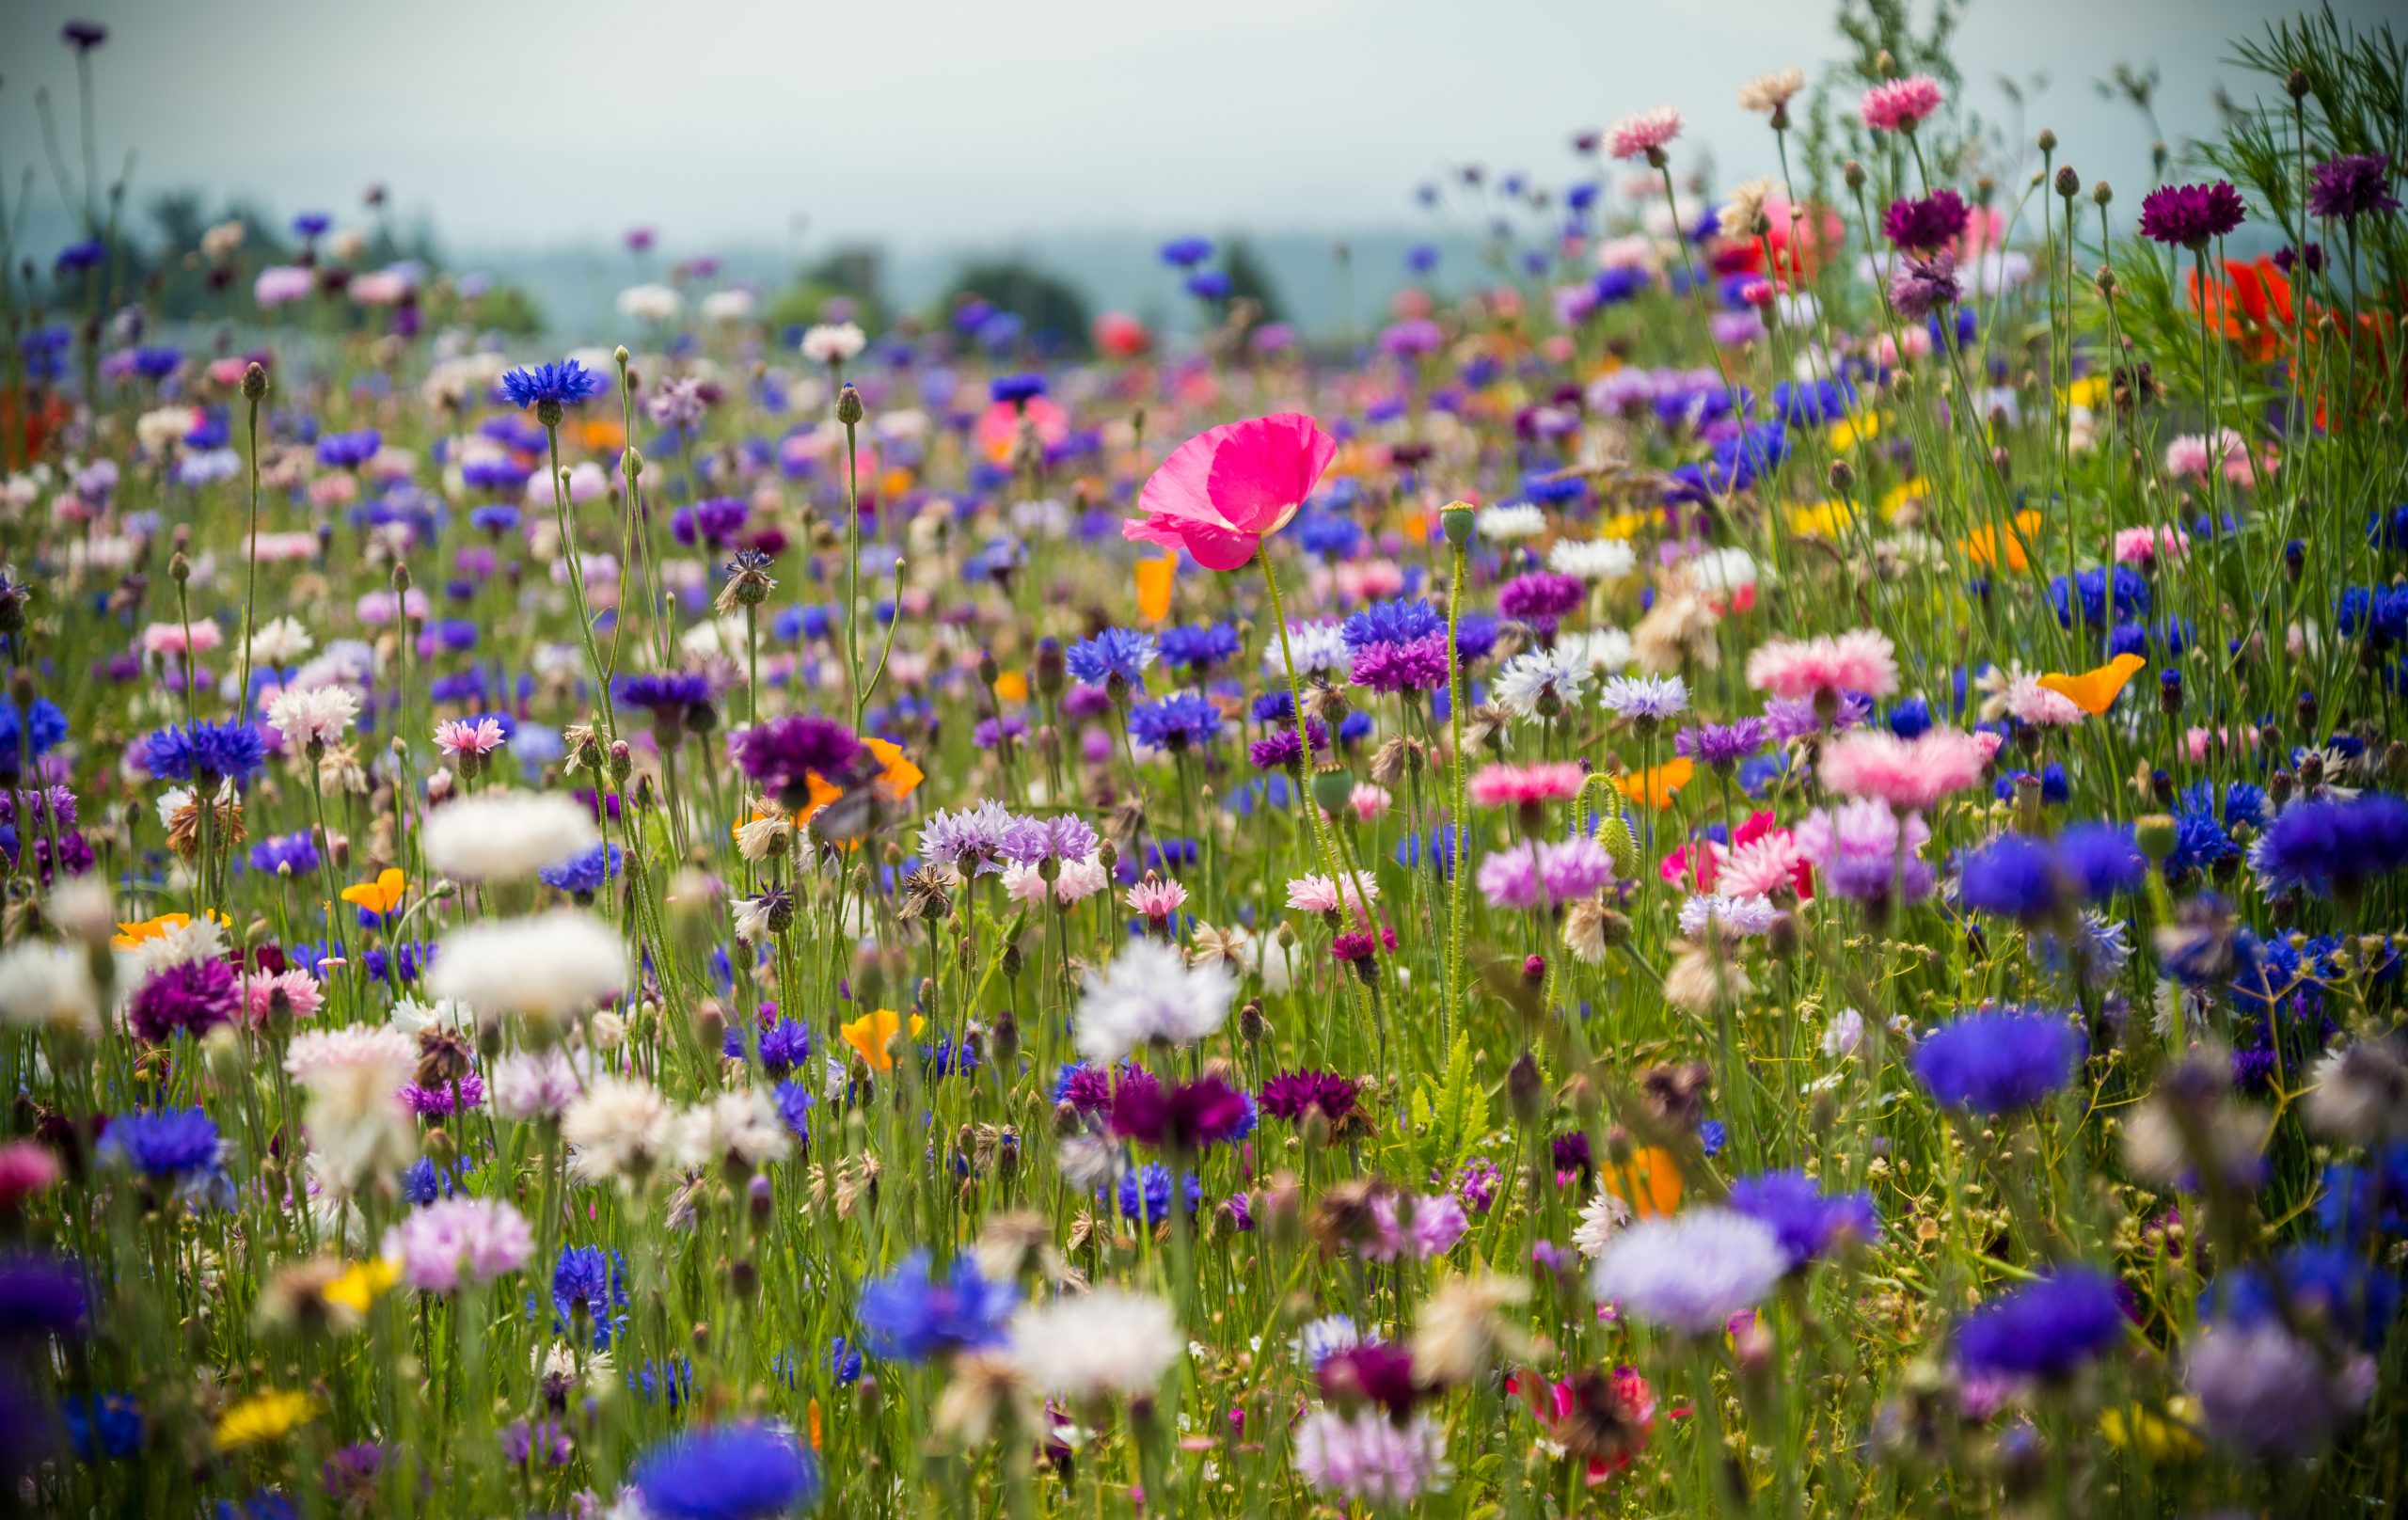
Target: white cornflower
317, 1054
550, 966
1151, 995
1538, 677
838, 343
743, 1124
1097, 1344
1324, 1338
1743, 210
617, 1131
650, 303
528, 1084
1600, 1219
1319, 646
359, 1129
321, 714
49, 987
721, 308
1605, 651
280, 641
1744, 916
1692, 1272
1647, 698
1769, 92
502, 836
1593, 559
414, 1017
1725, 572
1510, 522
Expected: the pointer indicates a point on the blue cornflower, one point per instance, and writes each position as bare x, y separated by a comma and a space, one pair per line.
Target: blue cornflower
1395, 619
2106, 596
2013, 876
2332, 847
34, 732
1209, 285
423, 1181
1997, 1060
1437, 847
1180, 722
2049, 1327
2101, 860
1144, 1193
1909, 718
659, 691
1809, 1221
1187, 252
732, 1472
844, 1362
2200, 841
565, 384
100, 1426
2332, 1282
914, 1315
1199, 647
40, 1295
583, 874
174, 1143
793, 1100
785, 1045
1115, 653
591, 1284
349, 450
211, 751
1016, 390
2380, 611
2357, 1202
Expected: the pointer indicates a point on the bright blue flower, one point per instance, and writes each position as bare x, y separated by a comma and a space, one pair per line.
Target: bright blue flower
583, 874
1115, 652
1144, 1193
232, 752
1016, 390
914, 1315
566, 383
1187, 252
794, 1101
844, 1362
1395, 619
1809, 1221
2101, 860
1209, 285
591, 1284
107, 1426
34, 734
1909, 718
732, 1472
1182, 720
2333, 847
1997, 1060
2013, 876
1199, 646
163, 1142
2047, 1328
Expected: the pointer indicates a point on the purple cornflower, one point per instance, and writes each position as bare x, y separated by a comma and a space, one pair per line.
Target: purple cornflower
1809, 1222
1181, 1119
1921, 226
1998, 1060
2048, 1328
1027, 841
1281, 749
1720, 745
1922, 286
785, 753
1541, 597
2351, 185
1091, 1089
971, 842
40, 1295
713, 520
444, 1099
1417, 666
194, 996
661, 691
2189, 216
349, 450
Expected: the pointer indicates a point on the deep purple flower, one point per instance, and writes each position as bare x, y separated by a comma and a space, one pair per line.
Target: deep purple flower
1281, 749
40, 1295
2191, 215
1926, 225
194, 996
1091, 1089
785, 753
1185, 1118
1922, 286
1290, 1094
1720, 745
2351, 185
1540, 597
1376, 1371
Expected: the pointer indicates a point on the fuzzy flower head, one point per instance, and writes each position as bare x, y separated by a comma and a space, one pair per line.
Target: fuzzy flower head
455, 1243
2047, 1328
2351, 185
729, 1472
1998, 1061
1646, 135
1900, 105
1148, 994
914, 1314
1692, 1271
550, 387
2191, 215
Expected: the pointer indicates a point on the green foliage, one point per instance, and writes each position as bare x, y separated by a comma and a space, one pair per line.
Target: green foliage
1450, 1116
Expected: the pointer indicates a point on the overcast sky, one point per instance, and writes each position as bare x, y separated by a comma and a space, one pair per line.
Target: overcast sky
511, 125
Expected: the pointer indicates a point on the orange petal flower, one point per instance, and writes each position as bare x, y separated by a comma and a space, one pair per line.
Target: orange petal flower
1011, 685
2095, 691
1154, 579
378, 897
1649, 1181
870, 1034
896, 777
1981, 546
1653, 787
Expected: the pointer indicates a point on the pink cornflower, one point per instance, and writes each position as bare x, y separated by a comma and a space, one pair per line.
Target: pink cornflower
26, 1167
1763, 865
278, 549
1156, 899
1369, 802
294, 993
1531, 785
1222, 492
1319, 895
379, 608
2141, 546
2189, 456
457, 1242
1644, 136
1825, 666
458, 736
2029, 702
1906, 773
1898, 104
163, 639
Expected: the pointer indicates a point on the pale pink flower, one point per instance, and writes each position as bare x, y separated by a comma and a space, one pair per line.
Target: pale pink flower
1319, 894
456, 1243
2189, 456
1369, 801
2141, 546
1860, 661
379, 608
1898, 104
26, 1167
457, 736
283, 285
1645, 134
1906, 773
2028, 701
1531, 785
334, 489
295, 994
1156, 899
320, 1053
1078, 880
164, 638
278, 549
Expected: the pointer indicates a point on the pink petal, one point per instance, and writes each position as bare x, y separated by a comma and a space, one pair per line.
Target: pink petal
1213, 547
1262, 469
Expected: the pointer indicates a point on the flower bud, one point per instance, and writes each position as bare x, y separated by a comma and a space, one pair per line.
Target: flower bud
848, 405
1456, 520
254, 381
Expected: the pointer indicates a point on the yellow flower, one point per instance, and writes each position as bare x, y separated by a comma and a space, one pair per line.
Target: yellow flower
1849, 431
1627, 524
263, 1417
1900, 497
2095, 690
2165, 1438
2087, 391
1653, 787
1982, 546
363, 1283
870, 1034
1825, 519
380, 895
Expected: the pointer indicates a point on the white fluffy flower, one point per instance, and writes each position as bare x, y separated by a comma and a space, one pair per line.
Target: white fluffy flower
1319, 646
650, 303
743, 1124
1693, 1271
501, 837
49, 987
549, 966
281, 641
618, 1131
528, 1084
1510, 522
1150, 993
1604, 1215
1534, 675
320, 713
316, 1056
837, 342
1095, 1344
722, 307
1744, 916
1605, 651
413, 1017
1593, 559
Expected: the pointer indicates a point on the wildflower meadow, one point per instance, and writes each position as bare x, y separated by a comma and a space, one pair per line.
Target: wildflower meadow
1744, 860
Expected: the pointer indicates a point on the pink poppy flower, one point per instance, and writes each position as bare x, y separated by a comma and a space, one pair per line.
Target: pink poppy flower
1224, 491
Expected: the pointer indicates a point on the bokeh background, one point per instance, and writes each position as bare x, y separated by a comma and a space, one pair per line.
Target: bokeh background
915, 137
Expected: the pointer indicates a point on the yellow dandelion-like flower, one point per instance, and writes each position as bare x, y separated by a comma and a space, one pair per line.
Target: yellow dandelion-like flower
264, 1416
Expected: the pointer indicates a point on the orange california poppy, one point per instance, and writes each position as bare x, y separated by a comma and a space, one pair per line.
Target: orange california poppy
1981, 547
897, 777
1653, 787
872, 1033
1154, 580
1649, 1181
380, 895
2095, 691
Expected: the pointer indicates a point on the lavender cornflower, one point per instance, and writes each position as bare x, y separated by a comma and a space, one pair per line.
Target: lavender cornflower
1645, 699
1720, 745
1922, 286
1692, 1271
967, 843
1027, 841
